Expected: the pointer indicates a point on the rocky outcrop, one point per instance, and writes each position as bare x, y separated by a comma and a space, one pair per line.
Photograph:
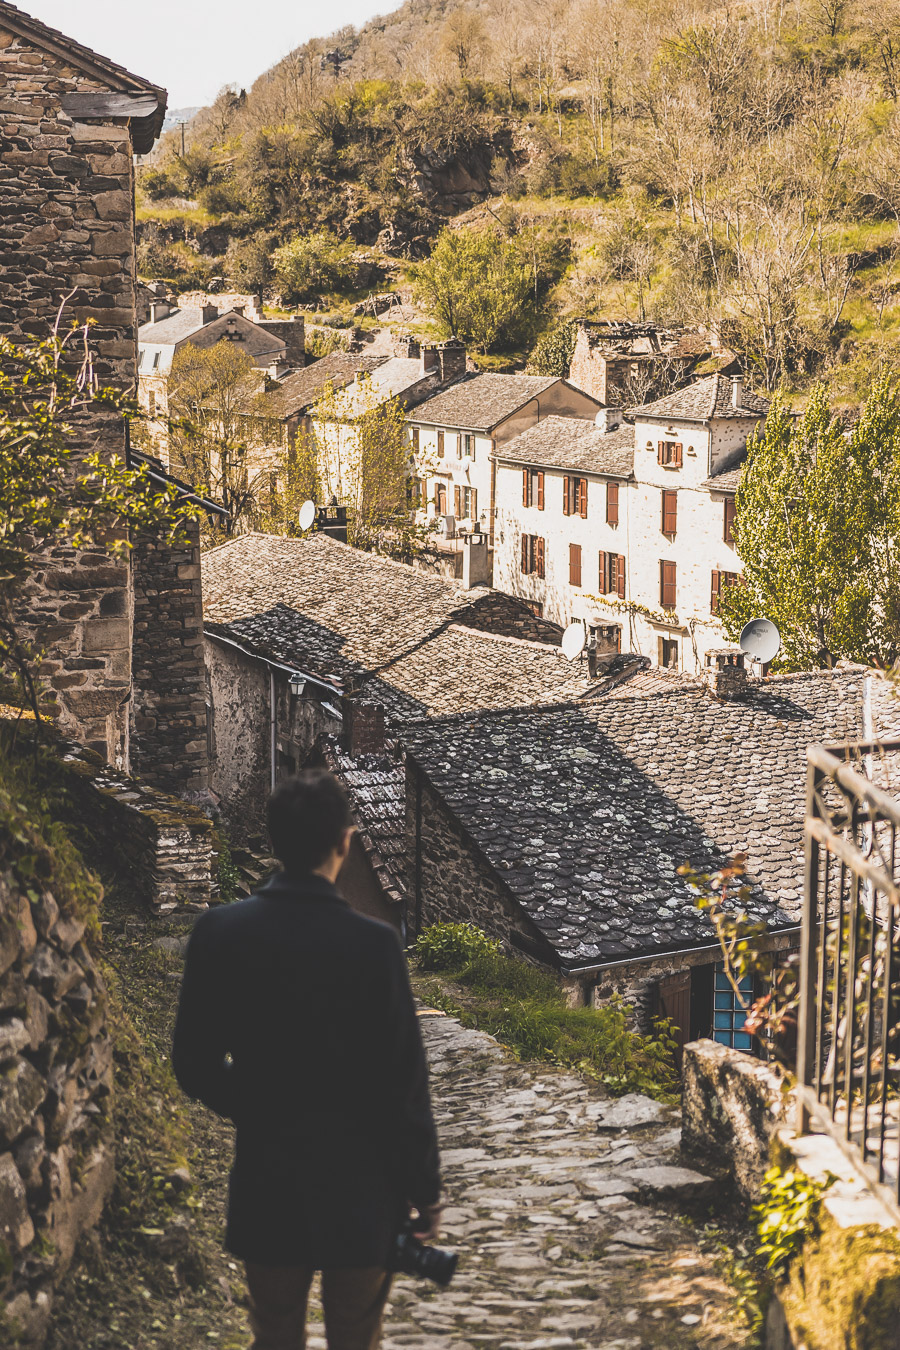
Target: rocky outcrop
56, 1154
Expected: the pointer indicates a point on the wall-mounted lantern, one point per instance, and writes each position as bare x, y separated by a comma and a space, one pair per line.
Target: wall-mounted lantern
298, 684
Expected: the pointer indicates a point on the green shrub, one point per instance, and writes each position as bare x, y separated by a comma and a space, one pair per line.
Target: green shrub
313, 263
447, 946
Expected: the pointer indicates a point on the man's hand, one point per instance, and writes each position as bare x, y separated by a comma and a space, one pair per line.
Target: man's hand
427, 1222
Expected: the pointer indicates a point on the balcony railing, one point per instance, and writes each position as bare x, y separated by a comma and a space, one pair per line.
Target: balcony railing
848, 1060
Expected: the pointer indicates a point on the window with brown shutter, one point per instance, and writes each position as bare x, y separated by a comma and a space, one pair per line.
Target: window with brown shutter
525, 560
532, 555
440, 443
668, 653
526, 487
415, 440
667, 584
440, 499
581, 495
669, 454
720, 583
457, 502
620, 575
539, 556
567, 498
730, 512
612, 503
574, 564
533, 488
669, 512
540, 491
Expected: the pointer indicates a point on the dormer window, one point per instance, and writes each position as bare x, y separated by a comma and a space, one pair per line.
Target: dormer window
669, 454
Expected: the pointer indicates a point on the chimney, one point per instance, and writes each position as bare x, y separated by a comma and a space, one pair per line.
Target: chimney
605, 644
452, 360
725, 674
363, 727
209, 313
608, 419
407, 348
428, 356
737, 391
160, 309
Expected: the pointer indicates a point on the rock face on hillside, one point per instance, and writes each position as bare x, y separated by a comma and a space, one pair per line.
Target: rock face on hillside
56, 1159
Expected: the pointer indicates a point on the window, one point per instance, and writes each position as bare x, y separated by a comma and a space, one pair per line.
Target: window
532, 555
720, 582
728, 1015
730, 513
574, 564
156, 360
669, 512
669, 454
668, 653
440, 499
536, 608
440, 443
151, 402
574, 496
612, 503
667, 584
415, 440
533, 488
465, 502
468, 444
612, 574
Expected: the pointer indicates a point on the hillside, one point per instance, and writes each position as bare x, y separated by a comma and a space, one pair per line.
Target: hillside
704, 163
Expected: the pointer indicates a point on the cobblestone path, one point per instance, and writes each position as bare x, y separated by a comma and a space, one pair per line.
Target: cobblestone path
561, 1242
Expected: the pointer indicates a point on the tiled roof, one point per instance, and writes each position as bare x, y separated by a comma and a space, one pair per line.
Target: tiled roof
480, 402
74, 52
398, 377
299, 391
727, 481
573, 443
175, 327
703, 400
376, 786
413, 641
586, 811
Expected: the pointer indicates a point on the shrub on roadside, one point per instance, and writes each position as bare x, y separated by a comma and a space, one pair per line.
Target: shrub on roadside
447, 946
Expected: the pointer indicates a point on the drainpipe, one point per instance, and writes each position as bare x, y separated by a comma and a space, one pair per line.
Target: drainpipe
272, 730
418, 883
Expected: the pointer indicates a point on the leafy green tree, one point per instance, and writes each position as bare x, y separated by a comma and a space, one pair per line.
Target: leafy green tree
55, 491
478, 286
296, 481
314, 263
816, 528
553, 351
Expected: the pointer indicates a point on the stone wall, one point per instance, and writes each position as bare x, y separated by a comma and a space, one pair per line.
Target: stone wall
56, 1153
168, 740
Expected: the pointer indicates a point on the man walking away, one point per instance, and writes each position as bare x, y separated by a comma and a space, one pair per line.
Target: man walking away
297, 1022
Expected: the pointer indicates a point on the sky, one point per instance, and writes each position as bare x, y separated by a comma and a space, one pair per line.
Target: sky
193, 47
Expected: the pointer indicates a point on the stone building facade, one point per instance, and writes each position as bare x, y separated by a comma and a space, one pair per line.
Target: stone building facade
70, 124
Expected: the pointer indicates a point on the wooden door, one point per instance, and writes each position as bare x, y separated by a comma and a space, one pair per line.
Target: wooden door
674, 1003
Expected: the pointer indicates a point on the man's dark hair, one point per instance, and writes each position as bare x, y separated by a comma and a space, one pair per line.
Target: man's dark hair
307, 817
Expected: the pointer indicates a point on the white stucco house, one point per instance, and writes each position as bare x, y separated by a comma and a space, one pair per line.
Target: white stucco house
630, 527
455, 434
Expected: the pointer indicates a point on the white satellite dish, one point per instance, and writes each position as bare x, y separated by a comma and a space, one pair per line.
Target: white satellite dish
760, 640
573, 641
307, 515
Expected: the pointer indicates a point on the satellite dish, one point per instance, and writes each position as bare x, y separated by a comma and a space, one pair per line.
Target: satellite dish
307, 515
573, 641
760, 640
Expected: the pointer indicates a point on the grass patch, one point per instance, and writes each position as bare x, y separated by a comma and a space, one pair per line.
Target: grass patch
525, 1009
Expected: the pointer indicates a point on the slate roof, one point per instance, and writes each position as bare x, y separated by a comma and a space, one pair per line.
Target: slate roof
376, 786
703, 400
397, 377
727, 481
411, 640
175, 327
297, 392
573, 443
480, 402
586, 811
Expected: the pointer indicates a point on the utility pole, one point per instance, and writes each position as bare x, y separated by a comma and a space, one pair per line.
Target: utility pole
182, 125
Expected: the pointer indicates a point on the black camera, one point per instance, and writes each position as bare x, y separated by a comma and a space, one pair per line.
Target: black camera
412, 1257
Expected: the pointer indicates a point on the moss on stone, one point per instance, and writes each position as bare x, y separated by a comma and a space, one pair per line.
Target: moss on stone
843, 1292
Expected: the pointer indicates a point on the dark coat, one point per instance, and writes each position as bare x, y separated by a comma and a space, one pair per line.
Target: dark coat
297, 1022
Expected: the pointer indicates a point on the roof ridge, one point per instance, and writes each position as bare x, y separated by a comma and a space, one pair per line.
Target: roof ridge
75, 52
460, 627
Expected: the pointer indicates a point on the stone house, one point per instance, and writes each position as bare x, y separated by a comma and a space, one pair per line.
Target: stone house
618, 361
71, 121
455, 434
560, 830
352, 628
275, 346
630, 528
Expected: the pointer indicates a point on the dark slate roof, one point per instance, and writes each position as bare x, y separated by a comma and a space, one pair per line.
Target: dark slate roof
175, 327
413, 641
297, 392
480, 402
573, 443
703, 400
727, 481
376, 786
586, 811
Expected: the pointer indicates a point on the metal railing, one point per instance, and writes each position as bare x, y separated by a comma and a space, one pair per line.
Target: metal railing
848, 1054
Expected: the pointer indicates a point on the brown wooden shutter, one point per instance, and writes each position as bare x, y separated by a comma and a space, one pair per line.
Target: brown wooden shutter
667, 584
612, 503
540, 492
669, 511
714, 592
526, 488
524, 558
566, 511
574, 564
415, 440
679, 452
539, 556
440, 444
473, 503
457, 501
582, 502
661, 451
673, 1001
620, 576
730, 512
604, 572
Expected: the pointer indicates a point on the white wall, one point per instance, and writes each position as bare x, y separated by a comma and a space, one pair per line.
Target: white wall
697, 549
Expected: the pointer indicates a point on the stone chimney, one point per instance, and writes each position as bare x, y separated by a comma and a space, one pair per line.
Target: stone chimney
407, 347
209, 313
608, 419
737, 391
452, 360
605, 644
159, 309
363, 727
725, 674
428, 358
